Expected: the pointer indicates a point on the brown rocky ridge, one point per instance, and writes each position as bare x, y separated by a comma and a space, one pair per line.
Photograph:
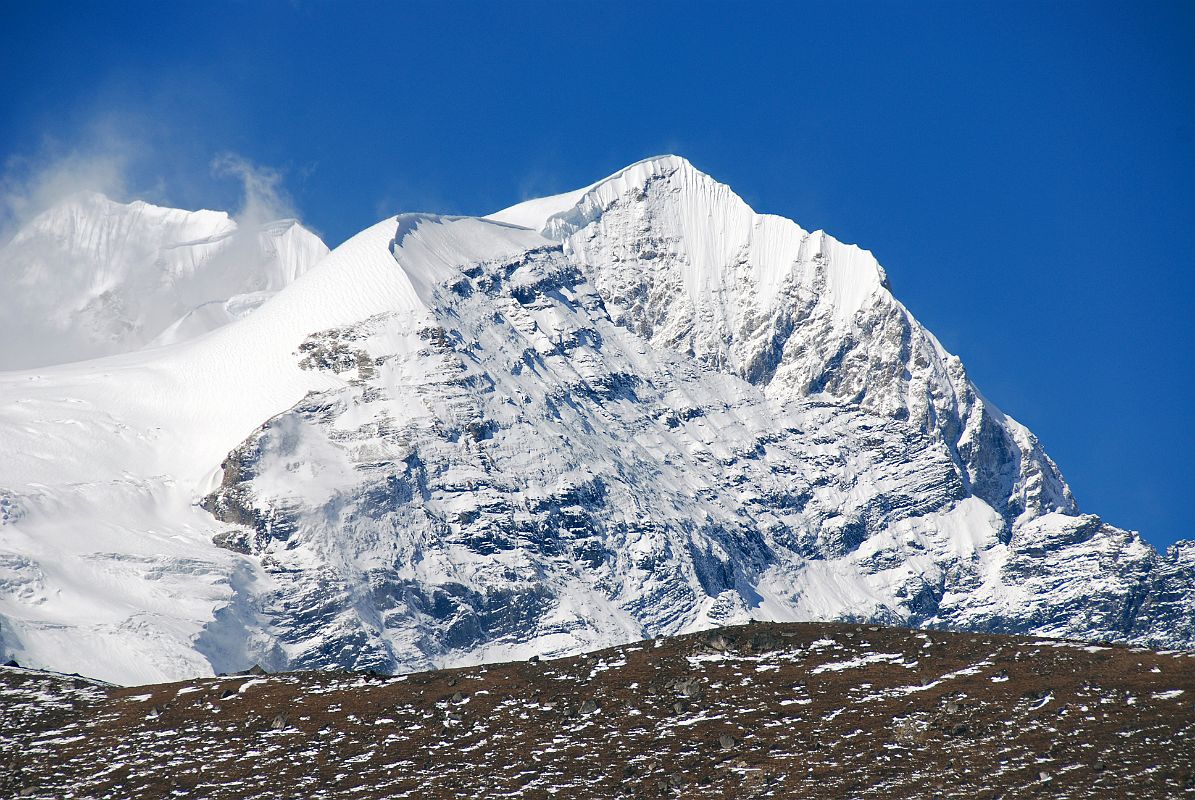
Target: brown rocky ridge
806, 710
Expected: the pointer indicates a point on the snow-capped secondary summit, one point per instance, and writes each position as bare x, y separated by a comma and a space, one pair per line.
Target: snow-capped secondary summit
638, 408
95, 277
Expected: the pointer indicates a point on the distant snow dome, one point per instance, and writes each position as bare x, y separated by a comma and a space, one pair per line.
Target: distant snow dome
96, 277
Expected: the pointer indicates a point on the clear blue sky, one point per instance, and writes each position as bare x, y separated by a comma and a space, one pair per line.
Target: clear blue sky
1025, 172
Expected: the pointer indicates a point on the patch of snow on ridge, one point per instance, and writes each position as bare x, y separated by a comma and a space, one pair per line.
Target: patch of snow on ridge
857, 662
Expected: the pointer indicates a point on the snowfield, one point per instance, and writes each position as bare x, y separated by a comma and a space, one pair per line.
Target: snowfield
636, 409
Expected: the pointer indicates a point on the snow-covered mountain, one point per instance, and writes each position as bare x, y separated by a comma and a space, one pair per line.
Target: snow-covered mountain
92, 277
639, 408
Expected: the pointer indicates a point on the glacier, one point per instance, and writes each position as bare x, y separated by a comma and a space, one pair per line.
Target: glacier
635, 409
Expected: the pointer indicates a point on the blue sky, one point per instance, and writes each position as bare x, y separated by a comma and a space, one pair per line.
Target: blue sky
1025, 172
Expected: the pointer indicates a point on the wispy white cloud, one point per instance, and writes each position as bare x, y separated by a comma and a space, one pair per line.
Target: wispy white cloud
263, 196
98, 160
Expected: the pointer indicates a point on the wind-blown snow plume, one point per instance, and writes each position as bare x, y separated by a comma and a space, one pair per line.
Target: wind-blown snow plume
29, 188
264, 198
123, 151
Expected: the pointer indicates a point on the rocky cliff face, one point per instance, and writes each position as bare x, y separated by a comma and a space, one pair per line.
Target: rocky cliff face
685, 263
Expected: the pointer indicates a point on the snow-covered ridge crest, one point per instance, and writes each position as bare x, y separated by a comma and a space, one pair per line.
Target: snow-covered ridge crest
718, 227
107, 563
97, 277
173, 407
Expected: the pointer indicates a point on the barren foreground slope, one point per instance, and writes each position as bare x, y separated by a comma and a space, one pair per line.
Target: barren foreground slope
763, 710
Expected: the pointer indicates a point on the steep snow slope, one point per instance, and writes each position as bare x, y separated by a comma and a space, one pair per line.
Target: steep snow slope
93, 277
456, 440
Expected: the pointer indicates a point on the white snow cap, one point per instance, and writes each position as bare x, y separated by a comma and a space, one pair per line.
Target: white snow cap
719, 230
639, 407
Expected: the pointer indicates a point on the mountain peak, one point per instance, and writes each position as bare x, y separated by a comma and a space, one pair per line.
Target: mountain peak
683, 261
710, 214
536, 213
734, 259
89, 203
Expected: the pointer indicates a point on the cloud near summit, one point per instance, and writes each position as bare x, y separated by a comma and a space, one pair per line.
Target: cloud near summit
127, 158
